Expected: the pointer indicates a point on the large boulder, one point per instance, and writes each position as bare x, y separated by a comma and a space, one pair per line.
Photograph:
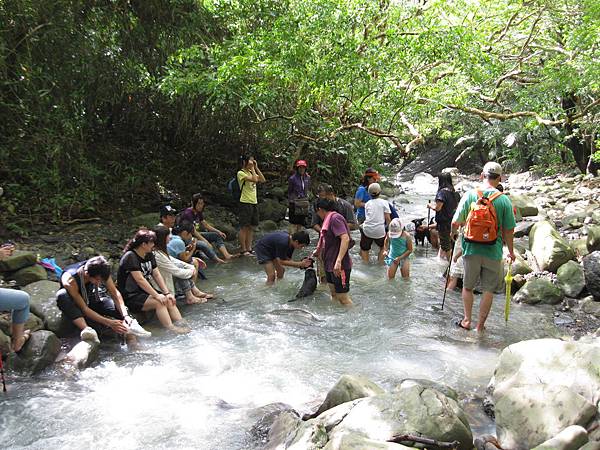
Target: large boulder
264, 418
18, 260
269, 209
571, 438
523, 228
43, 304
410, 382
579, 246
28, 275
539, 290
591, 270
570, 278
524, 205
371, 422
33, 323
540, 387
547, 246
589, 306
347, 388
593, 239
39, 352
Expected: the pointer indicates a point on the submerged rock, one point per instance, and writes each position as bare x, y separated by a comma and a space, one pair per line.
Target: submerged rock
541, 387
547, 246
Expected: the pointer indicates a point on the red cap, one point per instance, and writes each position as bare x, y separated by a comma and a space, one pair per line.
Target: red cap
300, 163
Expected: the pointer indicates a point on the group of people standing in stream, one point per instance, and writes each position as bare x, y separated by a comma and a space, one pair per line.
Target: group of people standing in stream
161, 267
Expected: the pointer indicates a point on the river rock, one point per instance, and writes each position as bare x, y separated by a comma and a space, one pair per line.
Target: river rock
4, 343
571, 278
28, 275
591, 446
547, 246
579, 246
278, 193
270, 209
148, 220
589, 306
266, 226
347, 388
524, 205
571, 438
33, 323
18, 260
539, 290
520, 266
591, 270
39, 352
523, 229
43, 304
593, 239
542, 386
410, 382
264, 418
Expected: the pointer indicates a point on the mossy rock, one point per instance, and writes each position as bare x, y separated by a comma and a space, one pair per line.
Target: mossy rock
17, 261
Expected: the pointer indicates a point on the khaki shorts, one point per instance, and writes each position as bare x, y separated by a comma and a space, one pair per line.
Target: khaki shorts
489, 271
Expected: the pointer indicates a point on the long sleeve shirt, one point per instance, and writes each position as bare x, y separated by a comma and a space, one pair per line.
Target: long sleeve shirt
298, 186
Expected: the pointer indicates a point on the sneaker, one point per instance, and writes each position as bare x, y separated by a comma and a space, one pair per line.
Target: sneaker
89, 334
135, 328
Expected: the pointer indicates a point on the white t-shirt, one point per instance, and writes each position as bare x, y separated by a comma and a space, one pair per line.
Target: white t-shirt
374, 225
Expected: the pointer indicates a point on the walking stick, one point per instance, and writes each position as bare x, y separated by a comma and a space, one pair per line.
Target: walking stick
448, 275
428, 218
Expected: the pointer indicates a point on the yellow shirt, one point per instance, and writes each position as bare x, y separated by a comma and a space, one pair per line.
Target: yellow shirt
248, 188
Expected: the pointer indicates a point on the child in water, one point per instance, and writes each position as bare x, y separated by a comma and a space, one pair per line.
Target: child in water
397, 247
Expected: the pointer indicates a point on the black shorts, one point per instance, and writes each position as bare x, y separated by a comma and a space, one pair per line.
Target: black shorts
340, 288
248, 214
295, 219
445, 241
135, 302
105, 306
366, 242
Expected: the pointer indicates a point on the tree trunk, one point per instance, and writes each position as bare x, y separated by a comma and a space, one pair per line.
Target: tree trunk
578, 144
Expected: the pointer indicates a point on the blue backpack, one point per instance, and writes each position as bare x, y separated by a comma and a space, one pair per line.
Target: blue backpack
233, 186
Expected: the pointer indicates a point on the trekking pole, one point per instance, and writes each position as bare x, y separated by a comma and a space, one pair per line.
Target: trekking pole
2, 373
508, 280
448, 275
428, 218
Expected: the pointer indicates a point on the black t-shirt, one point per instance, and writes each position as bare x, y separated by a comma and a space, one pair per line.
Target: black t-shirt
132, 262
275, 245
443, 217
92, 291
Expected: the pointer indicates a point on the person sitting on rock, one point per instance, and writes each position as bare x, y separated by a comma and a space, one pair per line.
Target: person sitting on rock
179, 276
274, 250
17, 302
209, 235
137, 269
168, 214
88, 294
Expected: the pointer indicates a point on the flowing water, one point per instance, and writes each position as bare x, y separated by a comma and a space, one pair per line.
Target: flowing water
201, 390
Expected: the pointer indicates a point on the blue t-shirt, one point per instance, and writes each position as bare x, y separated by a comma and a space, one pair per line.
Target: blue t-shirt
362, 194
176, 246
274, 245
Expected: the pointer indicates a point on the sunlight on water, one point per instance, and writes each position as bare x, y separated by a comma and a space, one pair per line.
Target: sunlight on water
199, 390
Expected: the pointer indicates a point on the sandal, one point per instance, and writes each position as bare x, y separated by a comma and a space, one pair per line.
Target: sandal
24, 338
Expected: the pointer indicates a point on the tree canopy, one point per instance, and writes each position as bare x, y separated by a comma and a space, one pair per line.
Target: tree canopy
113, 99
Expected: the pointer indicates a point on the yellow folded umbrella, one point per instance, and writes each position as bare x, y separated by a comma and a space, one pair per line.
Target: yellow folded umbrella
508, 279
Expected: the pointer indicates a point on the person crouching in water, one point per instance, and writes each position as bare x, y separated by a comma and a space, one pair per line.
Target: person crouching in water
88, 293
275, 250
136, 269
398, 247
334, 244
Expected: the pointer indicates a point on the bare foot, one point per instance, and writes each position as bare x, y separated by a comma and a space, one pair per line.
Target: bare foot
19, 342
206, 295
194, 300
466, 324
179, 330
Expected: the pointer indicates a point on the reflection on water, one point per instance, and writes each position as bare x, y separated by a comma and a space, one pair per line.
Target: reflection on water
199, 390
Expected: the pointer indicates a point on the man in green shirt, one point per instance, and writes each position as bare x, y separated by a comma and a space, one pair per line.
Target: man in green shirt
483, 262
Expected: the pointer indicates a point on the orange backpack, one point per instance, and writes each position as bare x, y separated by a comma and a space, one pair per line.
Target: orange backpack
482, 221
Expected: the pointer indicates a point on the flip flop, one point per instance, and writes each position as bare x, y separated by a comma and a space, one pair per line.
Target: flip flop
459, 324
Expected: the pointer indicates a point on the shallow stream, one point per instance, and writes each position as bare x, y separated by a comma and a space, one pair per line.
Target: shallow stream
200, 390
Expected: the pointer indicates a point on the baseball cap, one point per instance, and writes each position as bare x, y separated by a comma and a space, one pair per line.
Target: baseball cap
167, 210
301, 163
395, 228
492, 168
374, 188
